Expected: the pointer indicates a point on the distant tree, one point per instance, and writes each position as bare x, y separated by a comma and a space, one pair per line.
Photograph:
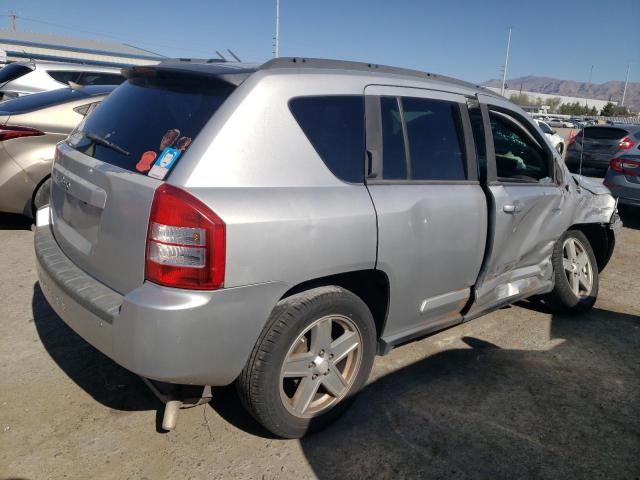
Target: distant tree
608, 110
593, 111
553, 103
520, 99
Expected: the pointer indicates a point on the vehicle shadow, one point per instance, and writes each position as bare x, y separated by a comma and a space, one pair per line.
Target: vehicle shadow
487, 412
630, 217
11, 221
98, 375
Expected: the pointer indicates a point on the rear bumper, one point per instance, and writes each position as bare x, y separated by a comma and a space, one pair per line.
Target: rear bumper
628, 193
165, 334
589, 160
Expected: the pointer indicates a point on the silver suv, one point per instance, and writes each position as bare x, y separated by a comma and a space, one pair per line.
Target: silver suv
277, 226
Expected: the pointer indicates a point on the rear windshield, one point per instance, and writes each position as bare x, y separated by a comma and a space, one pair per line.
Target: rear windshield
604, 133
36, 101
148, 119
13, 71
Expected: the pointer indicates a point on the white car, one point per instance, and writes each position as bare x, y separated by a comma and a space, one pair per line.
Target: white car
24, 78
558, 122
556, 140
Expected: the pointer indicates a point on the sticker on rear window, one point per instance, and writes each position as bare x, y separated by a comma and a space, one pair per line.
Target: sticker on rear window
183, 143
146, 160
169, 138
164, 163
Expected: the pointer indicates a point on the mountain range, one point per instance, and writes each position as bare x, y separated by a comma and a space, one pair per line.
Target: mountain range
611, 90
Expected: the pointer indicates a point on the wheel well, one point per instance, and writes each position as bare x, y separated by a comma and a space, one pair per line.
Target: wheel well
602, 241
372, 286
31, 206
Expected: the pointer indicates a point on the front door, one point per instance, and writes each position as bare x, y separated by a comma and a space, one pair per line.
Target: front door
526, 202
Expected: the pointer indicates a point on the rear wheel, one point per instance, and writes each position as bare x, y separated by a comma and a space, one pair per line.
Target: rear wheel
314, 355
576, 274
42, 196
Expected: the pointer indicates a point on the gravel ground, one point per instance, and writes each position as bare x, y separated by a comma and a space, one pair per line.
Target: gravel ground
519, 393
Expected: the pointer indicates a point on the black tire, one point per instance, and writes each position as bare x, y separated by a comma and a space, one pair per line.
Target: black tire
259, 384
562, 298
41, 197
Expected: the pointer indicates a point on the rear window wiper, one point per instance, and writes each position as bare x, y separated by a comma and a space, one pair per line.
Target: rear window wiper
106, 143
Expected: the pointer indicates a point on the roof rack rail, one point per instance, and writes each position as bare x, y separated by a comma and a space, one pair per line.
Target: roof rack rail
321, 63
192, 60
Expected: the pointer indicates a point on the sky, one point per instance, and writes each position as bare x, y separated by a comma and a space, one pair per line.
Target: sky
464, 39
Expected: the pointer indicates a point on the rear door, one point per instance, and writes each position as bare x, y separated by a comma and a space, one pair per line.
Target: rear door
527, 199
106, 173
431, 210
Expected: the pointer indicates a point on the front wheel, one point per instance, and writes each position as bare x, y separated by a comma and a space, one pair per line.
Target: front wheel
576, 274
311, 359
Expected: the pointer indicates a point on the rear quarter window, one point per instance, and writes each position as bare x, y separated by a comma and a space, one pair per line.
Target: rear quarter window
334, 125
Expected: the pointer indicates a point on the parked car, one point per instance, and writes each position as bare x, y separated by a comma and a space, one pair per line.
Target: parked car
24, 78
30, 127
556, 122
556, 140
594, 147
623, 175
577, 123
276, 226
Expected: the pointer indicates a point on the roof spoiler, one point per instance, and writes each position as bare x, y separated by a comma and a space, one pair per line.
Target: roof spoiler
215, 71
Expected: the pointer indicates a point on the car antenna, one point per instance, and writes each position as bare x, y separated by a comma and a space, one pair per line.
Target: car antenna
221, 56
581, 152
234, 55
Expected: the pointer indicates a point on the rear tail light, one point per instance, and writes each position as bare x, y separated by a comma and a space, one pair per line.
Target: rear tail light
8, 132
185, 242
626, 143
626, 166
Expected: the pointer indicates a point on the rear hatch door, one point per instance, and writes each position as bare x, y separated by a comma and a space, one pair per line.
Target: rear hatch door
601, 140
106, 172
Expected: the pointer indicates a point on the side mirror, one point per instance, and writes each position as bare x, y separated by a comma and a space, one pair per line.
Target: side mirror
553, 132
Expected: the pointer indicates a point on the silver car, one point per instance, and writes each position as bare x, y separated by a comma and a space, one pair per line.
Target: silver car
30, 127
24, 78
277, 226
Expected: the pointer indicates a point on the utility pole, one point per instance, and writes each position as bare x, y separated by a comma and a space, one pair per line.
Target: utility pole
624, 90
506, 63
586, 104
276, 52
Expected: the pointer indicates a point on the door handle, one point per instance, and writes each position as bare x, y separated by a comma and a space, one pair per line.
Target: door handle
513, 209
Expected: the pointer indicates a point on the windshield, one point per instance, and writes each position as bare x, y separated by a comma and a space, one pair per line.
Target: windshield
148, 121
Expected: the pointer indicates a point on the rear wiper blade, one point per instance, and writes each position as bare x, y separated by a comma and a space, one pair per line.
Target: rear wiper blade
106, 143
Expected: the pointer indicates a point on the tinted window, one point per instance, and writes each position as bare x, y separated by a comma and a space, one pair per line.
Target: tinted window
518, 157
13, 71
335, 127
146, 116
435, 143
64, 77
97, 78
545, 128
477, 126
393, 155
36, 101
604, 133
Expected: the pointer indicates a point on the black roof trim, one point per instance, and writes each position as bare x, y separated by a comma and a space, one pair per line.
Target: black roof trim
227, 72
321, 63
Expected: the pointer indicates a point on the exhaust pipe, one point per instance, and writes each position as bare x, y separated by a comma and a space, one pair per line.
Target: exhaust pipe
170, 417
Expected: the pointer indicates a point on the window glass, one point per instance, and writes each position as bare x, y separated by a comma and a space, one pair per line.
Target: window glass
13, 71
604, 133
335, 127
97, 78
545, 128
434, 131
477, 126
64, 77
393, 154
145, 117
518, 157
